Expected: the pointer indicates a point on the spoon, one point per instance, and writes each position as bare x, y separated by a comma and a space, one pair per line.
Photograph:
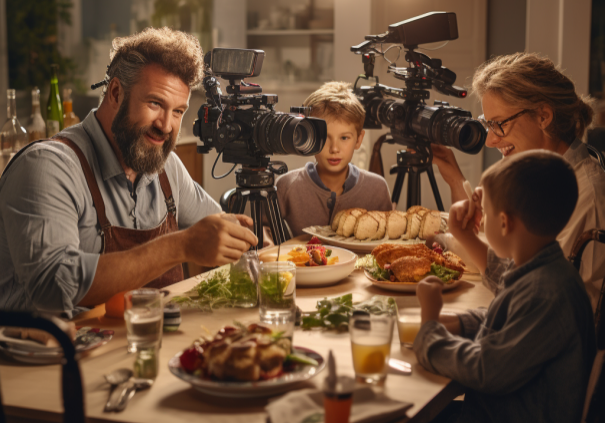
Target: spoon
116, 379
119, 397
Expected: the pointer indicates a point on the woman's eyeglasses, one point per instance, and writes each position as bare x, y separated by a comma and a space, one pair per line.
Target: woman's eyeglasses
496, 127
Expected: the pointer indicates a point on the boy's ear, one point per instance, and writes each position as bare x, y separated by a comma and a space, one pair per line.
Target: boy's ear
360, 139
507, 223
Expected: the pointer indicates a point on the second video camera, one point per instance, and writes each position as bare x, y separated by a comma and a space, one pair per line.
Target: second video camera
404, 110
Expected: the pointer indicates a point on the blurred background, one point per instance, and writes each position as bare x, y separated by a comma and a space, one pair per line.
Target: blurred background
307, 42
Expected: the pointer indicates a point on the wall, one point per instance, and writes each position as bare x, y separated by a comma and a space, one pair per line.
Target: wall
3, 61
505, 35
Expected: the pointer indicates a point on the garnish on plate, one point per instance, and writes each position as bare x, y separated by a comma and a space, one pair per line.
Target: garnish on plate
311, 254
334, 313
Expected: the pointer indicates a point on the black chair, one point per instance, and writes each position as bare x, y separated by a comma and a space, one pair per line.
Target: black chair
73, 396
594, 409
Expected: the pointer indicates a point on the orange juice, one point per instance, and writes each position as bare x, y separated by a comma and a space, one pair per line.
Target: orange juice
408, 324
370, 356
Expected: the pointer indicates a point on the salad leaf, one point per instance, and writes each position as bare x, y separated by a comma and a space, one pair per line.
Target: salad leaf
369, 263
334, 313
443, 273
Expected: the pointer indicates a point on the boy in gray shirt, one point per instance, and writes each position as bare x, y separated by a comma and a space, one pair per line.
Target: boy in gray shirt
527, 358
313, 194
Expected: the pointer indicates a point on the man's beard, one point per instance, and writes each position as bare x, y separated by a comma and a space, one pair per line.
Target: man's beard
137, 152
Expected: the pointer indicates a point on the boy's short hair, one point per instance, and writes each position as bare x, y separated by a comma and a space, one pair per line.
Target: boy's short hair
539, 187
336, 100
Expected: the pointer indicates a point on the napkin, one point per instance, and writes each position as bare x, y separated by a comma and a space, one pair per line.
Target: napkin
306, 405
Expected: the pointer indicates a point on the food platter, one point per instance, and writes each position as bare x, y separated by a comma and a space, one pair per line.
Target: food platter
317, 276
297, 374
32, 352
409, 287
328, 236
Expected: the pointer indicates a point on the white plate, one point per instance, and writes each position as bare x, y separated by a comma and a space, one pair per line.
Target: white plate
32, 352
261, 388
320, 275
409, 287
328, 236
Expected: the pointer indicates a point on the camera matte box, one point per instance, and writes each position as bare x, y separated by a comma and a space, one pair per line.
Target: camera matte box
428, 28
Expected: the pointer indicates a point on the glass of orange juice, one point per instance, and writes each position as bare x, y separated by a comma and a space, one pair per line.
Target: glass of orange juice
371, 337
408, 325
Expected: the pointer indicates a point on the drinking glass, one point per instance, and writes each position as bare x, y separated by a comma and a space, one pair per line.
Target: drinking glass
144, 315
408, 325
277, 295
371, 337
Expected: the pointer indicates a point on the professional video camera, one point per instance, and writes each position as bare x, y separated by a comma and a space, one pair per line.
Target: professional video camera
245, 129
412, 123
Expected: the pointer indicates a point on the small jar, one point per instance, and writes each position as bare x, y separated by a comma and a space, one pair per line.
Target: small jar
243, 276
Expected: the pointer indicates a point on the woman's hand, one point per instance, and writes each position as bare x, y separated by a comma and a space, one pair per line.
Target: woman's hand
448, 167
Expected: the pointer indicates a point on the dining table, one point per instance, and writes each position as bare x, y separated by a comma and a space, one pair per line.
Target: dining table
32, 393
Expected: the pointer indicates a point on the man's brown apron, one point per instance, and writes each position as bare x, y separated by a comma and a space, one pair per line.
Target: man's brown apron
117, 238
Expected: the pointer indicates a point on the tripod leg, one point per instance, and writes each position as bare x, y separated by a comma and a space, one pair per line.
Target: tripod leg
255, 212
237, 203
431, 175
413, 198
277, 227
398, 186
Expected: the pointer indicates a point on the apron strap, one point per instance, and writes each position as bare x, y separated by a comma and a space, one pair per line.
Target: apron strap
165, 184
93, 187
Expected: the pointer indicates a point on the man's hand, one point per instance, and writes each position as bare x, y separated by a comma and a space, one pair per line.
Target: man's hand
215, 241
429, 295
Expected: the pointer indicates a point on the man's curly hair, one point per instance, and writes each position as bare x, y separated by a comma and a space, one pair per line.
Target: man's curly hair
177, 52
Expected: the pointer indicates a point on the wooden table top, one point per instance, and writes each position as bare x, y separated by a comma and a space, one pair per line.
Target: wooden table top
33, 391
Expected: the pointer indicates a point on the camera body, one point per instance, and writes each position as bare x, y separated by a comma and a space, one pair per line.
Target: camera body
404, 110
243, 125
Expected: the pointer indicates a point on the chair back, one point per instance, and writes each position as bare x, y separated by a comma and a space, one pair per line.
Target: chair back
73, 396
594, 406
594, 152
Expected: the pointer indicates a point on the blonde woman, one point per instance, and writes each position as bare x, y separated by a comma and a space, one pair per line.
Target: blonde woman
529, 104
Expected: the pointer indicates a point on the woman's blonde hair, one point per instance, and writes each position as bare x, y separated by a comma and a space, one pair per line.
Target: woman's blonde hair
528, 81
336, 100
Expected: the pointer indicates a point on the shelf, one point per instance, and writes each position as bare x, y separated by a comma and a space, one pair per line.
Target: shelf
282, 32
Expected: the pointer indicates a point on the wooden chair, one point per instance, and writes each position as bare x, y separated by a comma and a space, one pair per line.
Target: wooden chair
594, 407
73, 396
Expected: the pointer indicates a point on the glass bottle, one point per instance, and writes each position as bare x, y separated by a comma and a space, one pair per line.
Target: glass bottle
54, 108
12, 136
69, 117
36, 128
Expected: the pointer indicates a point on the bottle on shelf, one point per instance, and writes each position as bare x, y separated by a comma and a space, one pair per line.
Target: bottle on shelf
12, 136
36, 128
69, 117
54, 108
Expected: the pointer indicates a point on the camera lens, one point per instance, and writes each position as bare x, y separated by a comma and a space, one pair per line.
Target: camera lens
449, 126
279, 133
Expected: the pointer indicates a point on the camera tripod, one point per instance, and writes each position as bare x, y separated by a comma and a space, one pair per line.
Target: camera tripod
413, 164
257, 187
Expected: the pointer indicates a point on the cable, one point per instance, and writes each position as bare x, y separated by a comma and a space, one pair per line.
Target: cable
433, 49
214, 165
384, 53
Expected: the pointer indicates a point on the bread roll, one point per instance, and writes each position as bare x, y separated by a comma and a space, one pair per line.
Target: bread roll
336, 219
347, 222
429, 224
396, 224
382, 223
366, 226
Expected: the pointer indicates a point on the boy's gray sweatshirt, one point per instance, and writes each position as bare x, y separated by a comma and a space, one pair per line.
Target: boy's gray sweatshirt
304, 203
528, 357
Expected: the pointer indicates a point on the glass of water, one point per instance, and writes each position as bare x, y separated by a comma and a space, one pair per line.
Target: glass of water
144, 315
277, 296
371, 337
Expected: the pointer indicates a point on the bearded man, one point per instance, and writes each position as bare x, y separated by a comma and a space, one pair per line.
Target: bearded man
106, 206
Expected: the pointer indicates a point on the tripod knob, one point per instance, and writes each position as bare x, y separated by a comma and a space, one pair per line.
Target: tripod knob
278, 168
